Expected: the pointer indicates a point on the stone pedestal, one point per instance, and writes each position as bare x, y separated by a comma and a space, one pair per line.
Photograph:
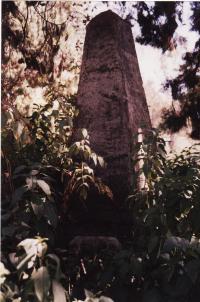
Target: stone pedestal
111, 97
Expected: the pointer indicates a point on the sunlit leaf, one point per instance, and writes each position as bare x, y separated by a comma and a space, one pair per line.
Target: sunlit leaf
41, 249
31, 182
29, 245
18, 127
13, 259
2, 297
58, 292
84, 133
101, 161
3, 272
44, 186
27, 262
94, 158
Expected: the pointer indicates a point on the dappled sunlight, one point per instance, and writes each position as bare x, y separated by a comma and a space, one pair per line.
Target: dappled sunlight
155, 66
31, 96
100, 185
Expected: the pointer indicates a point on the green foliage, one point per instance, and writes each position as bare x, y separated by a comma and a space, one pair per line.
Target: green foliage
37, 275
185, 88
42, 167
158, 23
172, 187
161, 260
166, 236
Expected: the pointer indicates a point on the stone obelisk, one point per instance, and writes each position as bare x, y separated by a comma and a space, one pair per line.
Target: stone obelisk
111, 97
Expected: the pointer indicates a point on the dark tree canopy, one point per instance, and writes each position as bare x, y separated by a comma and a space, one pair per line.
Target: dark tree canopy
158, 24
41, 58
186, 86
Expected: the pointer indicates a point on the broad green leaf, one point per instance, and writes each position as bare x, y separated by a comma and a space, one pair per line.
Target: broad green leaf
18, 193
29, 245
41, 249
31, 182
25, 262
3, 272
42, 283
101, 161
58, 292
94, 158
38, 209
34, 172
2, 297
83, 193
44, 186
25, 137
89, 294
72, 149
19, 169
50, 214
84, 133
17, 128
76, 112
105, 299
13, 259
57, 261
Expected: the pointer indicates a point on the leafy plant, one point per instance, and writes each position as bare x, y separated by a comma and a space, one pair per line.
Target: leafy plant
42, 167
37, 275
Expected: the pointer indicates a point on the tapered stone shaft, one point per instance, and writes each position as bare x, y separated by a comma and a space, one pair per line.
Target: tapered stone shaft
111, 97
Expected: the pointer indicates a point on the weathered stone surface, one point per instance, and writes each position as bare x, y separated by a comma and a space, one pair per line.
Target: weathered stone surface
111, 97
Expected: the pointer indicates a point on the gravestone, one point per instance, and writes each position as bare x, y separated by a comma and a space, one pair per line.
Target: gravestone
111, 98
